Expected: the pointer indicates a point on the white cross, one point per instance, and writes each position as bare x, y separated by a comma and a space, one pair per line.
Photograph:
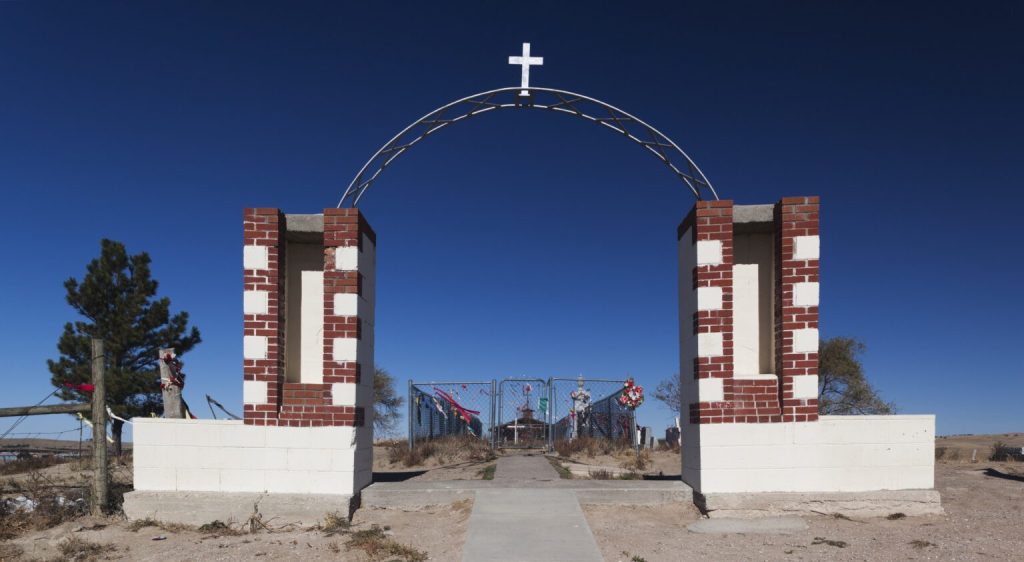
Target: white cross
525, 61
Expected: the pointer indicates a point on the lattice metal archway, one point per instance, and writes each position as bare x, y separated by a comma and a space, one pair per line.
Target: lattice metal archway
596, 111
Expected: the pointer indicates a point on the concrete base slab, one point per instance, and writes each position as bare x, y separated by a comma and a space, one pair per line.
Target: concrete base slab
759, 526
197, 508
851, 504
613, 492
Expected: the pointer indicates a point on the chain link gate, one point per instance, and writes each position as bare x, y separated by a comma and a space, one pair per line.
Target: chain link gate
519, 413
589, 408
444, 409
523, 413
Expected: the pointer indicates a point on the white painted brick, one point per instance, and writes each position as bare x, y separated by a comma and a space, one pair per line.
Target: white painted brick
806, 247
711, 390
805, 386
343, 394
254, 392
805, 340
805, 294
199, 479
255, 302
346, 258
152, 478
346, 304
254, 347
255, 257
709, 344
709, 252
330, 482
343, 460
157, 431
286, 482
240, 435
196, 435
290, 437
709, 298
242, 480
345, 350
309, 459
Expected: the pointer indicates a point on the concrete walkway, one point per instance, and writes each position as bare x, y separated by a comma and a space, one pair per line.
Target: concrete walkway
524, 467
528, 524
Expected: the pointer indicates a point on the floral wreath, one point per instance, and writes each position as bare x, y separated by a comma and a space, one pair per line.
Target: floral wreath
632, 395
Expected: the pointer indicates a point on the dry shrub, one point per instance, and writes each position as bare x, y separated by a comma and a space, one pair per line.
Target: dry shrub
1001, 452
592, 446
600, 474
219, 528
50, 510
940, 452
378, 546
637, 462
81, 550
27, 463
669, 447
446, 450
334, 523
10, 551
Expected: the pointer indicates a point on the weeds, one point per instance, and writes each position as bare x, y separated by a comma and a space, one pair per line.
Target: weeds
29, 464
919, 544
377, 545
218, 528
335, 523
600, 474
823, 540
633, 557
563, 473
78, 549
487, 472
591, 447
446, 450
139, 524
896, 516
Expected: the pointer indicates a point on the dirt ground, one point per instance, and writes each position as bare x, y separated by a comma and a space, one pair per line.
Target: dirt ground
984, 520
439, 532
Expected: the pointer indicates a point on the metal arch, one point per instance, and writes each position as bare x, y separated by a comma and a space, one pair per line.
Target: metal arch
633, 128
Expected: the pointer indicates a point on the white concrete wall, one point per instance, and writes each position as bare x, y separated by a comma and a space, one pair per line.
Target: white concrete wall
834, 454
304, 323
746, 327
689, 388
228, 456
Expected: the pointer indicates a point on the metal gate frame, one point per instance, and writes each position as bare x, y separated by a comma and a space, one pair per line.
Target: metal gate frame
496, 406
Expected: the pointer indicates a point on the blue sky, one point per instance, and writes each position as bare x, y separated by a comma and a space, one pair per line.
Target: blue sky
526, 243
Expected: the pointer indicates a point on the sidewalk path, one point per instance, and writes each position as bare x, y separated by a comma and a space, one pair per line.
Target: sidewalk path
527, 524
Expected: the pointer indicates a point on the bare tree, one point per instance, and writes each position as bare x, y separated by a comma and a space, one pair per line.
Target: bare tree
843, 388
668, 391
387, 403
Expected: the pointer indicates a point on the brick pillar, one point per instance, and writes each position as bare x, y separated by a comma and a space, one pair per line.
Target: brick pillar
796, 302
349, 293
263, 309
706, 245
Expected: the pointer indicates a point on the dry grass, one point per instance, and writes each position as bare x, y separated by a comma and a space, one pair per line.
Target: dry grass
378, 546
30, 464
446, 450
592, 446
335, 523
139, 524
54, 506
81, 550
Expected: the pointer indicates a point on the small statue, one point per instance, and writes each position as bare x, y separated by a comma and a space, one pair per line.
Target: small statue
580, 407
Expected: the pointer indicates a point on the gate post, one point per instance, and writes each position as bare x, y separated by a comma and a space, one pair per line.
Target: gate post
494, 423
412, 438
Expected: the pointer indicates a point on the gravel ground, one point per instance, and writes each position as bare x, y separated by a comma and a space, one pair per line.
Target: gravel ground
984, 520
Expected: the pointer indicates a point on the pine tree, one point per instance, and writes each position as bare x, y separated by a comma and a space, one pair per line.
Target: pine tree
117, 299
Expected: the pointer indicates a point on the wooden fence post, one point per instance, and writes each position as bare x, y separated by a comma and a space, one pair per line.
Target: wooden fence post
99, 429
171, 393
